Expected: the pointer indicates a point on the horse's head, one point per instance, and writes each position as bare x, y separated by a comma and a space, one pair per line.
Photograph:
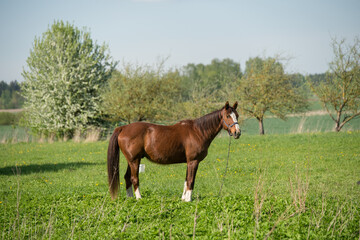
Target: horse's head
230, 122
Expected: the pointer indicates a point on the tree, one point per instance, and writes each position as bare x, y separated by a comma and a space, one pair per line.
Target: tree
137, 93
215, 78
208, 85
10, 97
340, 92
265, 87
65, 71
316, 78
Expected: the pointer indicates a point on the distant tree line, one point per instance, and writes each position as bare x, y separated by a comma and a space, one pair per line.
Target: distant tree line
72, 84
10, 97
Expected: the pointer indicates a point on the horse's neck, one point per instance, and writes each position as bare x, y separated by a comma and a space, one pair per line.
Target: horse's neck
209, 126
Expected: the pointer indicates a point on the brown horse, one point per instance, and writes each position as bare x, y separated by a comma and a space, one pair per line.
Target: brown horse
185, 142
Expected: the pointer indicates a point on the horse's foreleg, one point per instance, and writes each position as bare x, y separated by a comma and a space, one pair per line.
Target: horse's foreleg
135, 177
184, 192
192, 167
127, 176
185, 185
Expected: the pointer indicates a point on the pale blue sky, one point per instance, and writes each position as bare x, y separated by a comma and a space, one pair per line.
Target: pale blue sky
187, 31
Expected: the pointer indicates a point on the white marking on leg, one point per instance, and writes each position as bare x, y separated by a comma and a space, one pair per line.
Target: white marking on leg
129, 192
188, 195
184, 192
233, 116
137, 193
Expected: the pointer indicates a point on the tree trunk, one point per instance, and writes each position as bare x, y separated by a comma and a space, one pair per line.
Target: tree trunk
261, 126
337, 122
337, 127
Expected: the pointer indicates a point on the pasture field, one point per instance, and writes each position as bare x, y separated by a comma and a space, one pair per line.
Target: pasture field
294, 124
298, 124
297, 186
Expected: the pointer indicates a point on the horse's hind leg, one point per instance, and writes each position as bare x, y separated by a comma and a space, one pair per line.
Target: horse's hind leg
134, 167
127, 176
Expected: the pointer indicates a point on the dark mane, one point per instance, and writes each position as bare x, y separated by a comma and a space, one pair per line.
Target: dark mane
209, 121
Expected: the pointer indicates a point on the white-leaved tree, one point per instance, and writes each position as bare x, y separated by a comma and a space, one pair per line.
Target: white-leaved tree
65, 71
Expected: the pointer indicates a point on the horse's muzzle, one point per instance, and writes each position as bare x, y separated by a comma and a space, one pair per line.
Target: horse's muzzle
236, 135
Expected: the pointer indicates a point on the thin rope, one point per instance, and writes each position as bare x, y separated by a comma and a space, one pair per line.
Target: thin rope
227, 163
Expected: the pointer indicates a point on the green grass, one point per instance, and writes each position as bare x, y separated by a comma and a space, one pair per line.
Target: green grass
11, 133
60, 191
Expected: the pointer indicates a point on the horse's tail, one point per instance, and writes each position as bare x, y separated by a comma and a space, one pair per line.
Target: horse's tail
113, 163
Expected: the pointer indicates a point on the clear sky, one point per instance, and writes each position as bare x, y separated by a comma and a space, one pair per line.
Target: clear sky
186, 31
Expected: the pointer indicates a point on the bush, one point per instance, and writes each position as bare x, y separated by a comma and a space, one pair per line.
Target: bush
9, 118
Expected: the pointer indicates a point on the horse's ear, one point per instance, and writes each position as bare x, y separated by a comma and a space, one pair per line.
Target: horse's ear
227, 106
235, 105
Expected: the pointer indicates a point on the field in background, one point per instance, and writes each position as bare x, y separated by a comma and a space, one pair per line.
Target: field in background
315, 120
298, 124
295, 124
283, 186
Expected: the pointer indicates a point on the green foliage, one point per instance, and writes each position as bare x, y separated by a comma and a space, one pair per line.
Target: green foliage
65, 71
198, 104
10, 97
213, 76
61, 192
138, 93
341, 89
208, 86
9, 118
317, 78
265, 87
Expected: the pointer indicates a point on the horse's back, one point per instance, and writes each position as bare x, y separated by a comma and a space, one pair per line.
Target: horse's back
133, 130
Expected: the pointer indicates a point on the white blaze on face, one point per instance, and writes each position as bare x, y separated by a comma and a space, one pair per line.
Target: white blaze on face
234, 118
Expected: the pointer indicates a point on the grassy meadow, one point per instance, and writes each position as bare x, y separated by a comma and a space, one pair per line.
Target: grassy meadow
298, 186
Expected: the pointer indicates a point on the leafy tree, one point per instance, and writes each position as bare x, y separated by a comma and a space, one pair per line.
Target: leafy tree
214, 78
10, 97
65, 71
265, 87
137, 93
207, 85
5, 98
340, 91
316, 78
